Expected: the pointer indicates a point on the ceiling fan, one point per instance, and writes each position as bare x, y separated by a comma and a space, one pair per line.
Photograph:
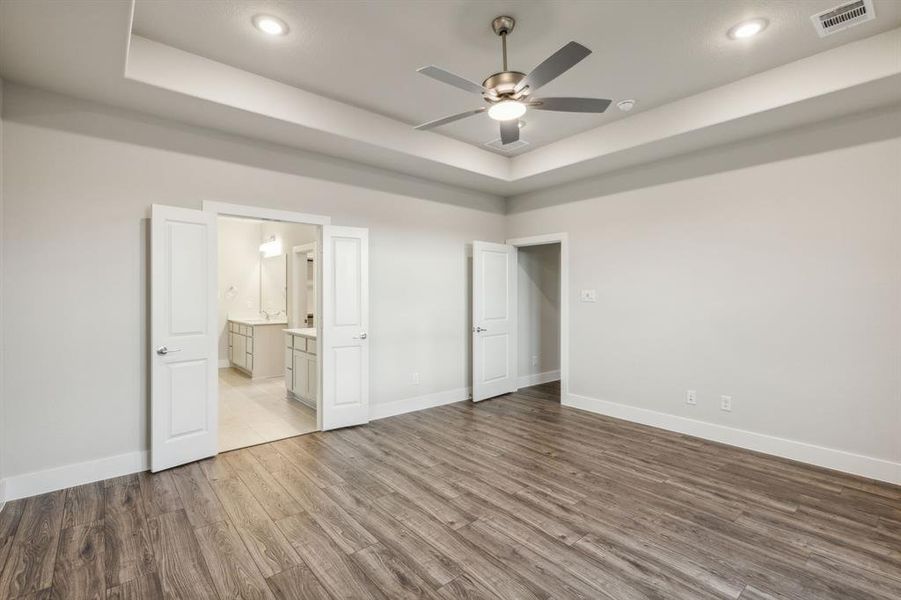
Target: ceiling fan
508, 94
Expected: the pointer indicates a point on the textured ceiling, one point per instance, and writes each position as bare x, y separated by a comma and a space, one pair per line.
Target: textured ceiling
366, 53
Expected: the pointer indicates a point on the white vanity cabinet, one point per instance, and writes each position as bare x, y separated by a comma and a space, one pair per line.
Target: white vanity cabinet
301, 366
255, 348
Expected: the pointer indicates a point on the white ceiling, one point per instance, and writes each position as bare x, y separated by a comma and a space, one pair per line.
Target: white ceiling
365, 53
327, 87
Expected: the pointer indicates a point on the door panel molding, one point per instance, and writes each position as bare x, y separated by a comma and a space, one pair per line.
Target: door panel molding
494, 306
183, 377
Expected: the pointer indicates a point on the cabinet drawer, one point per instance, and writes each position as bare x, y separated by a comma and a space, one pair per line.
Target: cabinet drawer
289, 340
311, 346
300, 343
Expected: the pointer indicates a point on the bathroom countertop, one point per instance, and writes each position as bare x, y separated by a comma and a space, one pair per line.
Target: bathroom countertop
255, 322
309, 332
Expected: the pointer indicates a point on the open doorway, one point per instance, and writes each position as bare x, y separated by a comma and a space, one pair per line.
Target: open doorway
538, 318
268, 351
519, 316
186, 327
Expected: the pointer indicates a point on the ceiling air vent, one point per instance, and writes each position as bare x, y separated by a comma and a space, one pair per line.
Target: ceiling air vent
843, 16
511, 147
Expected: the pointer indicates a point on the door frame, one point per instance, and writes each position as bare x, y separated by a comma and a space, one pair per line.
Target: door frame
562, 239
295, 268
224, 209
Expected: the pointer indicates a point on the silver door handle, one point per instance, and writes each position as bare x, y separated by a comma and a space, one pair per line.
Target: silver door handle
362, 336
478, 330
163, 351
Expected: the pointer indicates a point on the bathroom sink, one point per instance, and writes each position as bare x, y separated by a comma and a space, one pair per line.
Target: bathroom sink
260, 321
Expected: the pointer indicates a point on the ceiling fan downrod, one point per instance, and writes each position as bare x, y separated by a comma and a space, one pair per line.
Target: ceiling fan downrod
503, 26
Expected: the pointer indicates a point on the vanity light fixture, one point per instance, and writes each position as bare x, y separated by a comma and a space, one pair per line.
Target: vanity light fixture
271, 247
270, 25
747, 29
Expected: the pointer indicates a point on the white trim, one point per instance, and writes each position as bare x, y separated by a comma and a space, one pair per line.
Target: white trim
839, 460
563, 239
399, 407
537, 378
305, 401
58, 478
260, 212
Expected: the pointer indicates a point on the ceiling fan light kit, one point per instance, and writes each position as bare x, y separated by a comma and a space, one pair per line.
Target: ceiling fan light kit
508, 94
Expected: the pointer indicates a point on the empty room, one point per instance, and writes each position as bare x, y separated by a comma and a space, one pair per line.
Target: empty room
450, 299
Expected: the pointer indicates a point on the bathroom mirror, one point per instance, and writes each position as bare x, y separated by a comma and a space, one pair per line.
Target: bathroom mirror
274, 285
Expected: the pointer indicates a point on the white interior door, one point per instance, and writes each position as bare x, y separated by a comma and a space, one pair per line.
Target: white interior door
345, 326
183, 344
493, 320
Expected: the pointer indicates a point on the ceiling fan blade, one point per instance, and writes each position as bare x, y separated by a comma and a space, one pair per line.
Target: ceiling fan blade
450, 119
555, 65
581, 105
509, 131
451, 79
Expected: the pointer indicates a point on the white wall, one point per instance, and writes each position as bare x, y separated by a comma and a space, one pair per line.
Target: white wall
778, 284
79, 182
538, 315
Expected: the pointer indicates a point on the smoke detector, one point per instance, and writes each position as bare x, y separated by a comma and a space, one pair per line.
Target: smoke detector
626, 105
843, 17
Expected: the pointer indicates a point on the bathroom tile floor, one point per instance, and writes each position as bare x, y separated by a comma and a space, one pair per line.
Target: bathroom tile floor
254, 412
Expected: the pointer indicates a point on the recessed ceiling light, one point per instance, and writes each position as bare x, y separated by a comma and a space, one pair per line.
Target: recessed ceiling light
506, 110
270, 25
747, 29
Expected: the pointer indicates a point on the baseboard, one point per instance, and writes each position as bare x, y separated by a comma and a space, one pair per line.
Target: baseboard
839, 460
49, 480
399, 407
305, 401
537, 378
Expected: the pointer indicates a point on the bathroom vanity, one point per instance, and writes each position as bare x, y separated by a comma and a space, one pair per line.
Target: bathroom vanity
301, 365
255, 345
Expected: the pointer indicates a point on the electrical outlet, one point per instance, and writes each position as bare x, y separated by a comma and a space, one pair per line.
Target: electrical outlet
726, 403
414, 379
691, 397
589, 296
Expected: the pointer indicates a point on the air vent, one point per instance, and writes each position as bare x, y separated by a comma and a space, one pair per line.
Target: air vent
512, 146
842, 17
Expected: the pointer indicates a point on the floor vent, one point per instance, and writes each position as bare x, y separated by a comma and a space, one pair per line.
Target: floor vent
511, 147
843, 16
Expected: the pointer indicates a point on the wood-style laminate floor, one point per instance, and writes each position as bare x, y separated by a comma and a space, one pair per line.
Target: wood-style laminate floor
515, 498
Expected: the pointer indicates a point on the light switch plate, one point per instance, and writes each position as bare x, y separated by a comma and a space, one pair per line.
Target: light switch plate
589, 296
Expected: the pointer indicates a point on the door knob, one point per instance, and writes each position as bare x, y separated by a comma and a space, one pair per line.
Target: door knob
362, 336
478, 330
163, 351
